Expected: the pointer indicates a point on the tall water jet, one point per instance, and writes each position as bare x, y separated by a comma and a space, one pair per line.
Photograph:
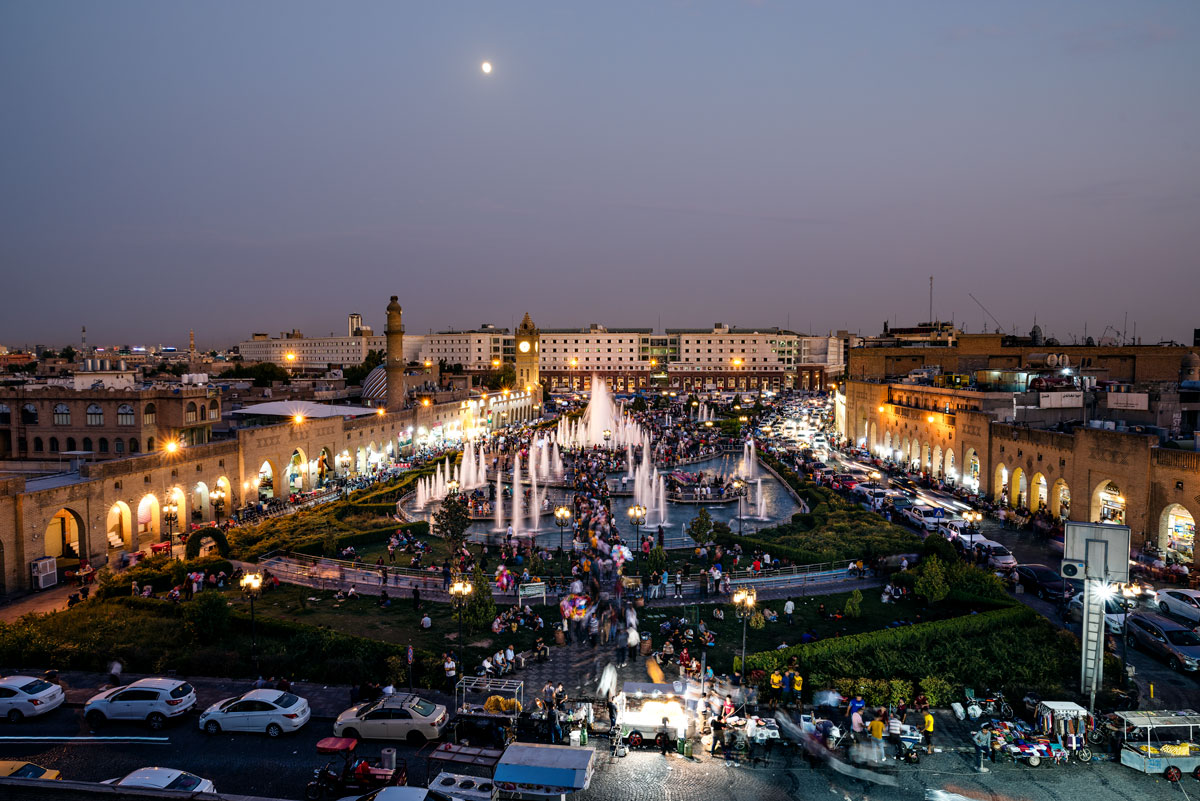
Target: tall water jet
534, 509
518, 491
544, 468
761, 511
499, 503
662, 500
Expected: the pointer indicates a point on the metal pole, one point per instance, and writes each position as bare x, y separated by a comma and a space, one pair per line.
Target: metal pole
253, 634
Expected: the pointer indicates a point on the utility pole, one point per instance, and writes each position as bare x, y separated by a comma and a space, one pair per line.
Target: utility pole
931, 299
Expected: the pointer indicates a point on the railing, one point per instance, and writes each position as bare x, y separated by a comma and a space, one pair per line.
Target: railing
1183, 460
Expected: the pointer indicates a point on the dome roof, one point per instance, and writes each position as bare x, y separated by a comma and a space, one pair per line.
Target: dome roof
374, 386
1190, 359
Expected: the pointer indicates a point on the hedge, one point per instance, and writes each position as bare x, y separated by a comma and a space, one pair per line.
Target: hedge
196, 540
160, 572
419, 527
1012, 648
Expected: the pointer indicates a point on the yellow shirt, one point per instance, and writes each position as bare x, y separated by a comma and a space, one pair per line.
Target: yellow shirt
776, 681
928, 722
797, 682
876, 728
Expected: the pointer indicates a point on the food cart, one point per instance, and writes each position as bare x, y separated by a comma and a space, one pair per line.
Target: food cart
641, 708
532, 772
1151, 755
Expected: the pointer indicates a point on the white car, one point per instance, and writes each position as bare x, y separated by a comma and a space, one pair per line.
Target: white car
27, 697
271, 711
153, 700
998, 557
1181, 603
925, 517
1114, 612
164, 779
953, 529
394, 717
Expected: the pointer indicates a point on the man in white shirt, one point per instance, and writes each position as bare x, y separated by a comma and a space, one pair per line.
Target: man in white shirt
510, 656
788, 609
488, 668
426, 623
451, 670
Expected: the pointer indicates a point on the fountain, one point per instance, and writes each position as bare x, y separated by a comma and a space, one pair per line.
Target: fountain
760, 511
517, 491
499, 503
534, 509
662, 500
750, 458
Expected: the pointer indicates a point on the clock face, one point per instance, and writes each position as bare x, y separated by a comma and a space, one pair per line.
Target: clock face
524, 346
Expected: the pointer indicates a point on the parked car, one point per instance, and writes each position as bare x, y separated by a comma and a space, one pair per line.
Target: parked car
153, 700
1163, 637
1181, 603
271, 711
1042, 582
996, 555
26, 697
1114, 613
164, 779
924, 517
27, 770
954, 528
393, 717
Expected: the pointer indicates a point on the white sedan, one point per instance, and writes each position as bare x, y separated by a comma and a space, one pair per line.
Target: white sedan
26, 697
165, 779
271, 711
1181, 603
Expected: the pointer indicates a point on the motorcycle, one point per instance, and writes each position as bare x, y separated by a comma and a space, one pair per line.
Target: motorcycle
990, 703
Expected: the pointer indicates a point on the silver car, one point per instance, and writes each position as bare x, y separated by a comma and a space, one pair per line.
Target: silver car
1165, 638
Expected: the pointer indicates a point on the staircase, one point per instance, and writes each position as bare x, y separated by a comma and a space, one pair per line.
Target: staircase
115, 541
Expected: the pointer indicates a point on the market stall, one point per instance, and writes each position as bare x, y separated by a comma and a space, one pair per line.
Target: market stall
642, 708
1158, 747
534, 771
1059, 731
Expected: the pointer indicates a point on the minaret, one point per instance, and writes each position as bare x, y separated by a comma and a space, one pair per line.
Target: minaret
394, 362
83, 342
192, 341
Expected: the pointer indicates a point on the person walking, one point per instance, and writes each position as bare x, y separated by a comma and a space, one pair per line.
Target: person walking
789, 609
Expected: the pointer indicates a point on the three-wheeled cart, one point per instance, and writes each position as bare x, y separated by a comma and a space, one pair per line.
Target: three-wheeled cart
1170, 760
1064, 725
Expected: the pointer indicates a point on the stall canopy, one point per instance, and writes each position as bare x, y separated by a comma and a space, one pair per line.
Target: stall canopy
547, 765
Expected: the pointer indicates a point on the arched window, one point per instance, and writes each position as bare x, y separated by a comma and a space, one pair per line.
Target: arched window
119, 445
5, 414
149, 414
29, 414
133, 445
95, 415
37, 444
62, 414
125, 415
189, 416
150, 445
70, 443
54, 444
87, 443
213, 413
104, 445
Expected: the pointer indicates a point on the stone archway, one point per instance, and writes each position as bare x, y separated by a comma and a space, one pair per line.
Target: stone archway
887, 444
949, 467
63, 534
1177, 532
360, 460
119, 526
1018, 494
1108, 503
297, 471
972, 472
176, 495
1000, 490
926, 456
266, 482
1060, 499
873, 438
1039, 492
228, 505
201, 506
935, 463
325, 466
148, 518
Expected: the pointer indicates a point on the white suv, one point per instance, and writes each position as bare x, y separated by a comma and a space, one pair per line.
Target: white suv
153, 700
27, 697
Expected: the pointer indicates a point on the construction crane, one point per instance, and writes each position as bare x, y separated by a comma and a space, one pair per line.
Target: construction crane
999, 328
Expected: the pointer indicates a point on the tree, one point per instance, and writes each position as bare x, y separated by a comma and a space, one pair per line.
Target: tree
206, 618
854, 604
450, 522
657, 559
263, 374
480, 610
49, 354
506, 376
700, 529
638, 404
67, 353
356, 375
932, 584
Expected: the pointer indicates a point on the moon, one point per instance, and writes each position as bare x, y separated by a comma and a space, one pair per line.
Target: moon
486, 67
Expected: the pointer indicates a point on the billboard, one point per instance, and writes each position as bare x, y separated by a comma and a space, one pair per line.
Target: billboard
1101, 548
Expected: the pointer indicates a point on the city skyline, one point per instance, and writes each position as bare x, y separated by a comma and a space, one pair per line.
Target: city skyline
666, 162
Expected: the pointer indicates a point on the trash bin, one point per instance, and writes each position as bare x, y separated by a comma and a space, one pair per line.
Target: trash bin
646, 645
575, 737
387, 759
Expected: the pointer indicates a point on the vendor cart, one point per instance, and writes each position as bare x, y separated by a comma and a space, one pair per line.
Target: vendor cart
642, 708
1065, 724
533, 772
1169, 759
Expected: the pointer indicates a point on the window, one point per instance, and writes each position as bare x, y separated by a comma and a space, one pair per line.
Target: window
37, 444
189, 416
150, 444
133, 445
125, 415
5, 414
149, 414
70, 443
95, 415
29, 414
62, 415
54, 444
87, 443
119, 445
213, 414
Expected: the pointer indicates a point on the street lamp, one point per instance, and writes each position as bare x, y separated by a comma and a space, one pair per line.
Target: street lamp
452, 487
562, 519
737, 489
607, 437
637, 516
744, 599
252, 588
170, 517
460, 590
217, 497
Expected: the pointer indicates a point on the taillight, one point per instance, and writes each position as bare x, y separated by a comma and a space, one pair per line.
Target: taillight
174, 701
290, 715
35, 702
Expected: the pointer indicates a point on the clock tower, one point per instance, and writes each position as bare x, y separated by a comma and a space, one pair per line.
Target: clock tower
527, 356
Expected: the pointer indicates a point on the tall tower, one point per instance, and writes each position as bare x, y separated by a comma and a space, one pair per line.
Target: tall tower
394, 362
353, 325
527, 354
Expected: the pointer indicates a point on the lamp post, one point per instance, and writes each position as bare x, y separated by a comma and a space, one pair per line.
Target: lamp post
252, 588
451, 487
217, 497
744, 599
460, 590
637, 516
562, 519
607, 437
170, 517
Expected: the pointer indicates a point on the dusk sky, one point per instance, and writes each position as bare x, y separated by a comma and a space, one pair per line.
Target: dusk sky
259, 166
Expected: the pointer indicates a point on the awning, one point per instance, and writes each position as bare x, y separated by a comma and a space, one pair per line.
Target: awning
545, 765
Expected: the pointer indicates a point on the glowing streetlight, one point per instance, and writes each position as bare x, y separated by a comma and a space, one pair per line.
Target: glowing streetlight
562, 519
252, 588
381, 411
297, 418
460, 591
743, 599
637, 516
171, 446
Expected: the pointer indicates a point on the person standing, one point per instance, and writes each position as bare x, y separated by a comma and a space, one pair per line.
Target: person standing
789, 609
655, 578
678, 584
798, 688
927, 732
451, 670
